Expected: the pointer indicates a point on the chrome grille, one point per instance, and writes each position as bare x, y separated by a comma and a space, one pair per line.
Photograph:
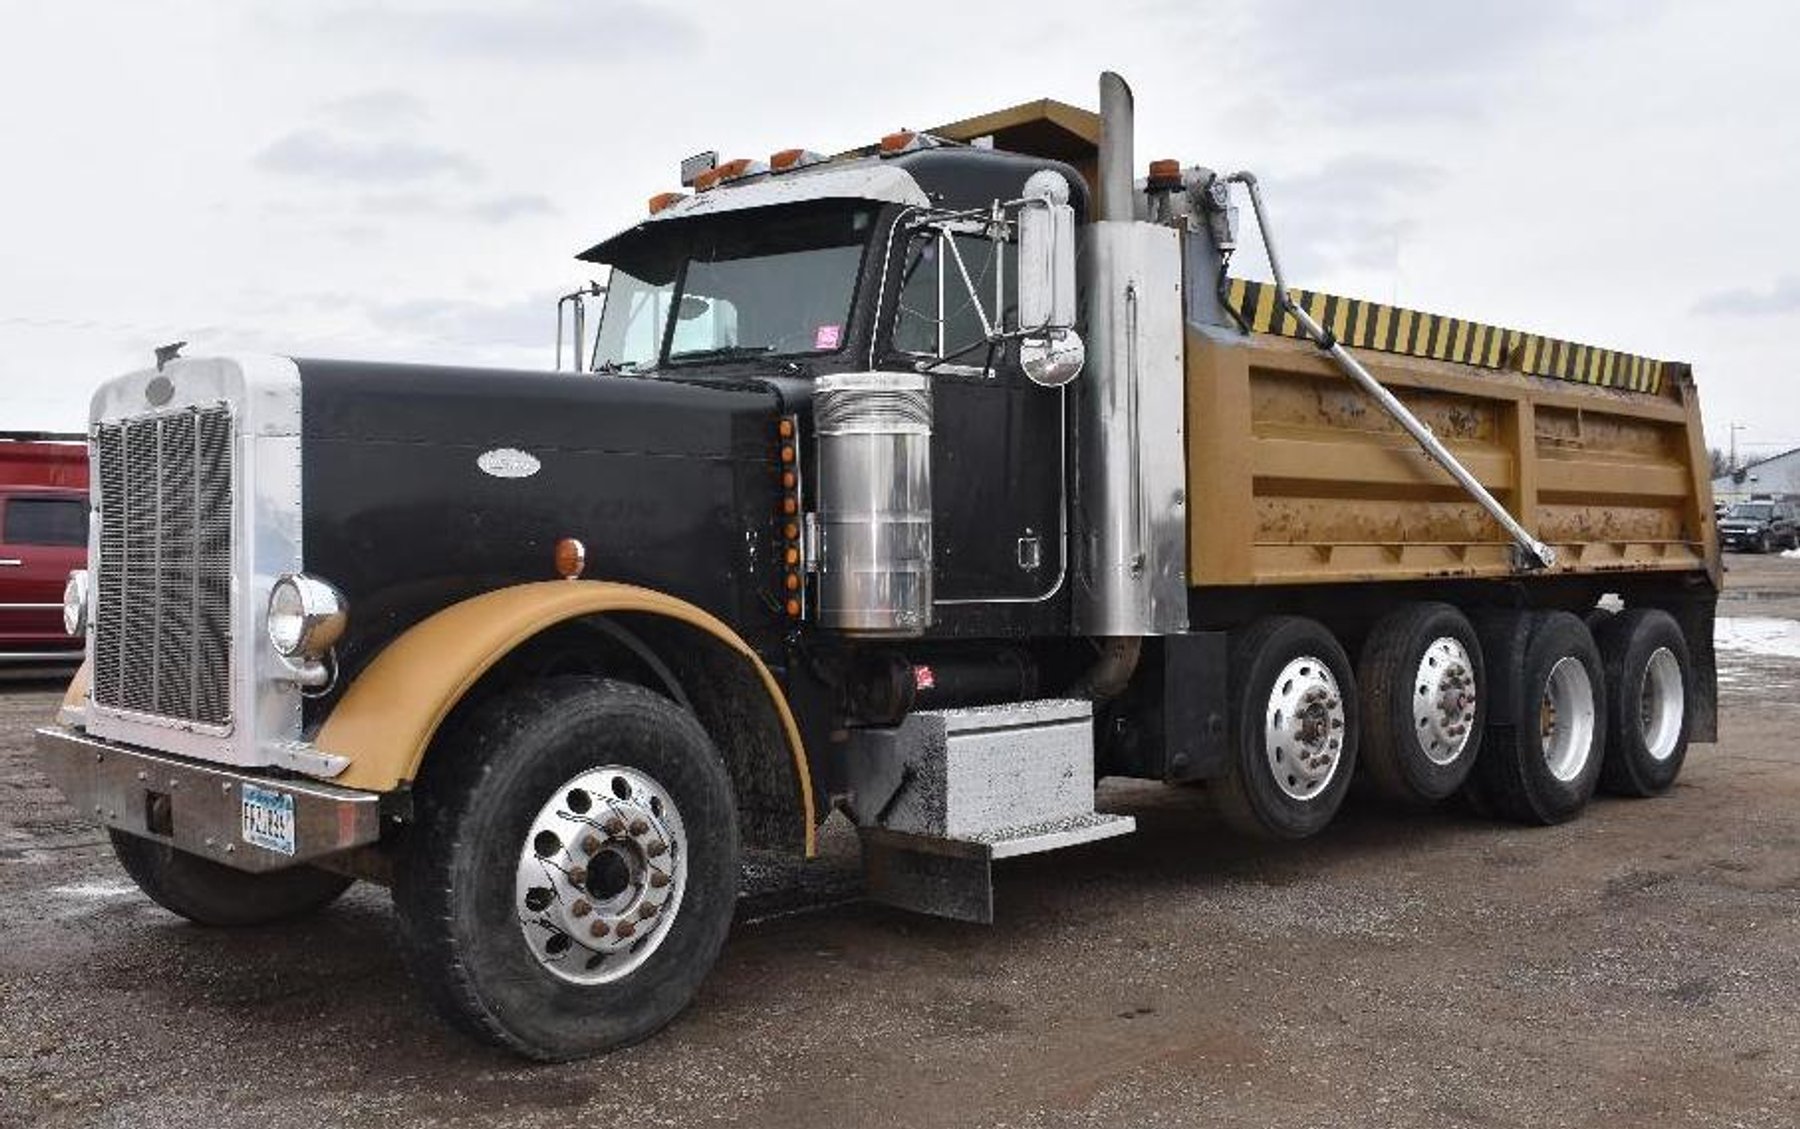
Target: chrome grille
162, 620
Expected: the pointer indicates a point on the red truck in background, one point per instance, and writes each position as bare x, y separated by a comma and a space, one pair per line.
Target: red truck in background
43, 536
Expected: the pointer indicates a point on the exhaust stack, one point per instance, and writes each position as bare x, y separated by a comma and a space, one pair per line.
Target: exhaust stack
1131, 481
1116, 161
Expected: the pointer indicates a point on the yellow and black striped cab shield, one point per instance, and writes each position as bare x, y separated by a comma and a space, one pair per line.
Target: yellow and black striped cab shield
1389, 329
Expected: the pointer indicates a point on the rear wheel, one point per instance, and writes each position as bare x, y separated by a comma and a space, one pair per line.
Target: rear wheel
1294, 719
1544, 746
573, 869
207, 893
1648, 673
1422, 702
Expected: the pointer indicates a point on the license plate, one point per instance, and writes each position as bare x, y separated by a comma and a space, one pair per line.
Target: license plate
268, 819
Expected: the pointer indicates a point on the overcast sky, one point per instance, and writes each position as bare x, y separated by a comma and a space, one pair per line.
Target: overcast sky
412, 180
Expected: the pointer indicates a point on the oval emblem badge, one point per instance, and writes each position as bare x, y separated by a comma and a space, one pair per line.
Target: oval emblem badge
508, 462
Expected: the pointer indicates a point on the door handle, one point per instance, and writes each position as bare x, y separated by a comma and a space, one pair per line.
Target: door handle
10, 562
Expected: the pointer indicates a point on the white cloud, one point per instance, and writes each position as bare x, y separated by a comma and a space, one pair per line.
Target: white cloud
1602, 170
317, 155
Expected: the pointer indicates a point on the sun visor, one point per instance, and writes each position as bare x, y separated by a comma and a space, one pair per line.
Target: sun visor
863, 180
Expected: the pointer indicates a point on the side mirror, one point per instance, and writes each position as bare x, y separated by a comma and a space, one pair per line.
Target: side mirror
1049, 349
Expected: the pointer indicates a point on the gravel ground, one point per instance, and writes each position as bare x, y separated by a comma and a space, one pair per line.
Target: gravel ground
1640, 966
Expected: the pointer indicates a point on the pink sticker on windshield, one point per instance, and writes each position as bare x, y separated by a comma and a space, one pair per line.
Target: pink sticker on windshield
827, 336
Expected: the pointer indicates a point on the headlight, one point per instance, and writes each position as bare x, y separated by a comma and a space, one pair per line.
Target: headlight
306, 616
75, 603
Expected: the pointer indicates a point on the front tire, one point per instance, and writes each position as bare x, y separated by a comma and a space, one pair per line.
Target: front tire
207, 893
573, 869
1294, 726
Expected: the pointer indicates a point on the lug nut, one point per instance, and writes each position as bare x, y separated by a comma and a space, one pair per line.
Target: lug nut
581, 908
597, 929
578, 876
658, 880
646, 911
591, 844
613, 826
656, 848
627, 928
638, 827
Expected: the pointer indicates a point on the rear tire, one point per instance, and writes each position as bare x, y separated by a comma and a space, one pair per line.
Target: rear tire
572, 871
1294, 729
1423, 703
207, 893
1648, 676
1546, 738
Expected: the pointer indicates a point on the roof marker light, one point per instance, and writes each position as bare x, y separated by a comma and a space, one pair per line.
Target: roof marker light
740, 168
663, 199
789, 159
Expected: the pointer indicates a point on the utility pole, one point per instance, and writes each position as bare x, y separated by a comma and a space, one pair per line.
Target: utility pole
1735, 428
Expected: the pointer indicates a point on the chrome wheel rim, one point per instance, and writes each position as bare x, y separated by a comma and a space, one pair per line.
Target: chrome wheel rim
601, 875
1566, 719
1443, 700
1303, 728
1663, 703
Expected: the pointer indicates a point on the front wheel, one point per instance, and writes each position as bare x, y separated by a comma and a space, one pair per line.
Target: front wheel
207, 893
1294, 727
573, 869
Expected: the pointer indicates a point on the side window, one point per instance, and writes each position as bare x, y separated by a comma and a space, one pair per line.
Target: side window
940, 311
45, 521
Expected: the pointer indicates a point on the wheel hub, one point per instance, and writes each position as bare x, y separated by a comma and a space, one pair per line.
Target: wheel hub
1663, 701
1566, 719
1444, 700
1303, 735
601, 875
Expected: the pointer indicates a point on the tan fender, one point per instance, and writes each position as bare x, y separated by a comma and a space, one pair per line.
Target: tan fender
386, 720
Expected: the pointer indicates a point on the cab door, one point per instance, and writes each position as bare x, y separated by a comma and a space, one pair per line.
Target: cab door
43, 537
997, 439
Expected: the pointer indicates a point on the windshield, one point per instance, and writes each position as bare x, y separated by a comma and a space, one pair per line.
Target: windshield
773, 282
1752, 511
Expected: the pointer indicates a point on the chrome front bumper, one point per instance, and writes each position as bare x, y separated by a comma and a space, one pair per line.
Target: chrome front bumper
198, 807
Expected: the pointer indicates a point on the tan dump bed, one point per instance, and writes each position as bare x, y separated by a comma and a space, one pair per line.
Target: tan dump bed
1296, 476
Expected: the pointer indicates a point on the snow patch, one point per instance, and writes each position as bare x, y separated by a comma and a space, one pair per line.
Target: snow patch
95, 890
1758, 635
1790, 554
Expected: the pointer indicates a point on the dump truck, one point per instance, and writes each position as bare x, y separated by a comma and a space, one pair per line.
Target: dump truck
927, 483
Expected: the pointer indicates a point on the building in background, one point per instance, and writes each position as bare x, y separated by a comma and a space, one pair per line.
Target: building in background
1776, 475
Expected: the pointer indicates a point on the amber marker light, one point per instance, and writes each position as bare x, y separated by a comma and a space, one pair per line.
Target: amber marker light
1165, 174
793, 582
793, 609
663, 199
707, 179
571, 558
898, 142
786, 428
787, 455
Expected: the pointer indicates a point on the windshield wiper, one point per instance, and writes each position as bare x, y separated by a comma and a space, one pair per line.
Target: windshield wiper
735, 353
722, 353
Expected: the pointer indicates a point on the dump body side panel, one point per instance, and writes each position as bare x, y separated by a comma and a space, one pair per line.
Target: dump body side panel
1297, 477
